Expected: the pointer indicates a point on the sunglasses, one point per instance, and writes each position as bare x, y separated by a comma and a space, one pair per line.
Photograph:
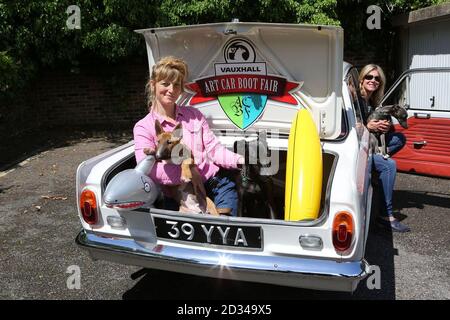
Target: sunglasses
370, 77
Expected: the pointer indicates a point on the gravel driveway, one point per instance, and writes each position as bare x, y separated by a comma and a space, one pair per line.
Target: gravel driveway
38, 224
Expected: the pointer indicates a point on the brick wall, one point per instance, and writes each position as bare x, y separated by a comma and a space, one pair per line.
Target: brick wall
96, 96
100, 96
386, 62
360, 59
103, 96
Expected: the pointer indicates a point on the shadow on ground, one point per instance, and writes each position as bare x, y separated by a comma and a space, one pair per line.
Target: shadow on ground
163, 285
418, 199
14, 150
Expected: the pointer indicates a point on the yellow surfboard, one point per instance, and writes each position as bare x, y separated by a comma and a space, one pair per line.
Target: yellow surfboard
304, 170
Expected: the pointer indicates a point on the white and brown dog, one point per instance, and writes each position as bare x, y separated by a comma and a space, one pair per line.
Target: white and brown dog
191, 200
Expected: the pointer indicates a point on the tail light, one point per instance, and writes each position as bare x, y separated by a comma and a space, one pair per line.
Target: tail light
88, 206
343, 230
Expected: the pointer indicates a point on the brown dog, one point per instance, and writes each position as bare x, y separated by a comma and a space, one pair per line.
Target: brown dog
192, 200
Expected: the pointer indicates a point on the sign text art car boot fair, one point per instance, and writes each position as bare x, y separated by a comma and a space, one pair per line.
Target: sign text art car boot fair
241, 85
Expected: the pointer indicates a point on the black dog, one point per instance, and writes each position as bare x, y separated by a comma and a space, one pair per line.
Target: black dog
255, 187
378, 142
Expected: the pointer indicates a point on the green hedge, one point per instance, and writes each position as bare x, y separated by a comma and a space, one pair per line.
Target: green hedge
34, 34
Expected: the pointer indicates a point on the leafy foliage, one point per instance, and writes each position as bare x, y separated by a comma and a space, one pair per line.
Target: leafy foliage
34, 34
381, 42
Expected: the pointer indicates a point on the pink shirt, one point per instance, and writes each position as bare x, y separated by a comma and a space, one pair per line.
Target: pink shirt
209, 154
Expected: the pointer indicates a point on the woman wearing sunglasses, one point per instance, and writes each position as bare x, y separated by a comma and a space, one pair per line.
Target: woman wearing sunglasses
372, 82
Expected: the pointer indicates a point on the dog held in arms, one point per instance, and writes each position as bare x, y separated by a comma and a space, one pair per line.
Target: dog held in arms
254, 184
378, 141
191, 200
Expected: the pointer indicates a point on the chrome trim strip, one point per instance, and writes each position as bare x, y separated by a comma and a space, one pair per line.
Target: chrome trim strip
289, 271
407, 73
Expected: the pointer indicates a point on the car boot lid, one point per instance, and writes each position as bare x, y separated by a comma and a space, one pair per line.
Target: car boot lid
246, 76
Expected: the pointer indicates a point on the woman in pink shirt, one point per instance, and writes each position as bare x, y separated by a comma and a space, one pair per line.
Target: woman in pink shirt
165, 86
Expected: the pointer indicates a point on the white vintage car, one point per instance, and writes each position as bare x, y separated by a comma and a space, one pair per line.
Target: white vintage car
245, 78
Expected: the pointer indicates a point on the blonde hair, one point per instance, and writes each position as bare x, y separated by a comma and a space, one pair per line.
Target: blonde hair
377, 95
168, 68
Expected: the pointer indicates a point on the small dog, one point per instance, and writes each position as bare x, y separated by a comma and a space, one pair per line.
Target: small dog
255, 188
378, 141
191, 200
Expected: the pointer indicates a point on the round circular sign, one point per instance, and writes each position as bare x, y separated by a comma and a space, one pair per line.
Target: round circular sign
238, 51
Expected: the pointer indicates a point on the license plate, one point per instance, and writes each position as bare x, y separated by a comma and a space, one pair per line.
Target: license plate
208, 233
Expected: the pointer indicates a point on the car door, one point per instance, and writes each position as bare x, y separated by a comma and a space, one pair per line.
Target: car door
425, 93
364, 163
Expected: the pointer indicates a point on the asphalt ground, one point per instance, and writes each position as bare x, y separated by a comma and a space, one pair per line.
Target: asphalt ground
39, 222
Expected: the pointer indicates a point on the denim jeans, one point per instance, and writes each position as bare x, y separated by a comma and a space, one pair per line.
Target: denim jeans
386, 169
395, 141
221, 189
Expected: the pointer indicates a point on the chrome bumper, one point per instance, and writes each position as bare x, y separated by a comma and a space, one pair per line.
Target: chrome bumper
287, 271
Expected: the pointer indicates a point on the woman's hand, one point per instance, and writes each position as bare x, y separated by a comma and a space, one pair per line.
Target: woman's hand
379, 125
240, 162
149, 151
